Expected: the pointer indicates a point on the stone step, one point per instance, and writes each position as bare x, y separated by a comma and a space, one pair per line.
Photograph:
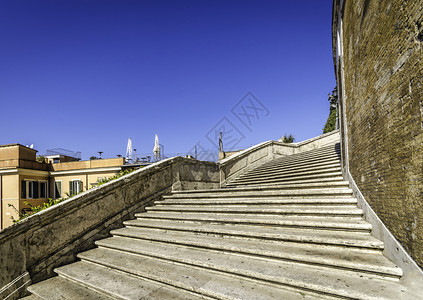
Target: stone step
266, 169
275, 181
327, 256
285, 163
315, 222
31, 297
330, 176
268, 210
297, 181
201, 281
119, 285
256, 200
175, 252
260, 192
58, 287
253, 190
275, 233
324, 173
282, 161
291, 174
327, 184
299, 158
267, 184
317, 151
331, 282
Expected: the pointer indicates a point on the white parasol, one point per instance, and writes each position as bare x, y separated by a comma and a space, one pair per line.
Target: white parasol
156, 149
129, 151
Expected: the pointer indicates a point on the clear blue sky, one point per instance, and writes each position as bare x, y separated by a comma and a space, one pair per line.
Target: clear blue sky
86, 75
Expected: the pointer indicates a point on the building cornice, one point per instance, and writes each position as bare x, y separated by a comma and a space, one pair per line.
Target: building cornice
8, 171
20, 171
85, 171
32, 172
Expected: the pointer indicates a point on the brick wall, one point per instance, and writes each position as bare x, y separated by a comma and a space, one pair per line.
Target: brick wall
383, 94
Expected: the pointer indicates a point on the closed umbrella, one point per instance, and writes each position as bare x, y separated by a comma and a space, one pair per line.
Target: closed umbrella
156, 149
129, 151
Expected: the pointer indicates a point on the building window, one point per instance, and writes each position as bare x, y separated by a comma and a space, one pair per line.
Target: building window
30, 190
33, 189
43, 189
58, 189
75, 187
23, 189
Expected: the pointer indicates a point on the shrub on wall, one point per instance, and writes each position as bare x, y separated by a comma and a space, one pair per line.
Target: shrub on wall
288, 139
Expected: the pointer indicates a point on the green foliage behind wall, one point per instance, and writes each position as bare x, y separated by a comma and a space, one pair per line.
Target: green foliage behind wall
331, 121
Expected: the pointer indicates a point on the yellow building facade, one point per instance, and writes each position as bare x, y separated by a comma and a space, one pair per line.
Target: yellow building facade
24, 179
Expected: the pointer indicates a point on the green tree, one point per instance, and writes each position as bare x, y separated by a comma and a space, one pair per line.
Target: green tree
331, 121
288, 139
40, 159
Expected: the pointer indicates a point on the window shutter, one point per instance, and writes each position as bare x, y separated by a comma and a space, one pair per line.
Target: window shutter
79, 186
23, 189
58, 189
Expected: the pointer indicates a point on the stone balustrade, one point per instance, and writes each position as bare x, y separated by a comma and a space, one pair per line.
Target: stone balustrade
32, 248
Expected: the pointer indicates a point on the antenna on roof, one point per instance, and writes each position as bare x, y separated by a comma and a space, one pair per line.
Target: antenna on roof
60, 151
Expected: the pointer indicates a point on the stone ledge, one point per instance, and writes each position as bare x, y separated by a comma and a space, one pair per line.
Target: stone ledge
54, 236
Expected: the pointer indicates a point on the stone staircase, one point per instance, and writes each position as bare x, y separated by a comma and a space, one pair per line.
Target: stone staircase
289, 229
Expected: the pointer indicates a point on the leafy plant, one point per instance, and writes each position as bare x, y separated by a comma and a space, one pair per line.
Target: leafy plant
40, 159
288, 139
51, 202
118, 175
331, 121
35, 209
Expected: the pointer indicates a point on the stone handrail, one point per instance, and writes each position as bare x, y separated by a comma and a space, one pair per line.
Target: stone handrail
252, 157
32, 248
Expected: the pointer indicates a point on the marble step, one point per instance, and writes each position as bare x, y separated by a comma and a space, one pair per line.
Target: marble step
326, 256
271, 233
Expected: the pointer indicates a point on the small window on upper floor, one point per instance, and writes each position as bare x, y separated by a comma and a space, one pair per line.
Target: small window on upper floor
43, 189
33, 189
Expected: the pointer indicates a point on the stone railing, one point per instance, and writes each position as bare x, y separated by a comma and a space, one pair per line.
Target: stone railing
32, 248
250, 158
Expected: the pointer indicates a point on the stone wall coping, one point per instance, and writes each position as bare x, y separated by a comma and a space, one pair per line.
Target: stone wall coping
84, 198
32, 248
248, 151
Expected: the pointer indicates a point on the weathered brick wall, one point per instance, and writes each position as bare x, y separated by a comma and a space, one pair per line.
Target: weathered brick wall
383, 82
